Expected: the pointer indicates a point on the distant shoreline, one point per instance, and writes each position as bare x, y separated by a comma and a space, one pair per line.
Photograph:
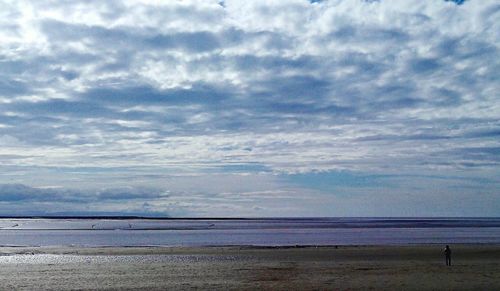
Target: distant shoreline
124, 217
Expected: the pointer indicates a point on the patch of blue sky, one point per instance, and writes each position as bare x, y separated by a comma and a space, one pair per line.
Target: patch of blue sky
332, 180
243, 168
459, 2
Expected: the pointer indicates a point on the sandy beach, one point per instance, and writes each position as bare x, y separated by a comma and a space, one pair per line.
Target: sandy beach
247, 268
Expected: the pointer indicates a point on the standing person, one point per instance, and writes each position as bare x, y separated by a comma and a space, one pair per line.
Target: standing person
447, 254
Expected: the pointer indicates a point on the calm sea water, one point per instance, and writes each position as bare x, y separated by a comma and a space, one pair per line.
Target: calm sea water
261, 232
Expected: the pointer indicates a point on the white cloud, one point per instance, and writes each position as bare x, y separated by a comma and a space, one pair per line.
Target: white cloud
292, 86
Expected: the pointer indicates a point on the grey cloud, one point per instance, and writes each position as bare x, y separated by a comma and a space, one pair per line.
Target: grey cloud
59, 107
446, 97
422, 66
274, 64
488, 154
23, 193
369, 34
13, 88
484, 133
196, 42
204, 94
131, 194
129, 38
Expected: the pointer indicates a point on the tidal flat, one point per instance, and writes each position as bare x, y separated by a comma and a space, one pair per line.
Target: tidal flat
409, 267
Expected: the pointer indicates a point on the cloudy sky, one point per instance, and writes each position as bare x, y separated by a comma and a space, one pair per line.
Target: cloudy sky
250, 108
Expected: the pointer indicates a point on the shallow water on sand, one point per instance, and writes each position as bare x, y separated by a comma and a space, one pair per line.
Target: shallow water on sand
267, 232
99, 259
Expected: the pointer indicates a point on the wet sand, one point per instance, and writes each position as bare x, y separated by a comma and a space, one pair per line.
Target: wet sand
475, 267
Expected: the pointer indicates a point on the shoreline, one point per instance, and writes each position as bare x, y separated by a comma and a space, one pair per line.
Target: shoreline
158, 249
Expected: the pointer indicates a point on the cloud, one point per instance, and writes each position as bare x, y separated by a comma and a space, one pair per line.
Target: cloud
19, 199
158, 89
23, 193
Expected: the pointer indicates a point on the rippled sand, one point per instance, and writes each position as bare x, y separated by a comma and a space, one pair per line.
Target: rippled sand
237, 268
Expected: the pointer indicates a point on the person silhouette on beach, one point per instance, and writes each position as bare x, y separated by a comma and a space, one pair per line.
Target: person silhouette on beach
447, 254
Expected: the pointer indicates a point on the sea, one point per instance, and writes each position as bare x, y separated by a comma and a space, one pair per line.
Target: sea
319, 231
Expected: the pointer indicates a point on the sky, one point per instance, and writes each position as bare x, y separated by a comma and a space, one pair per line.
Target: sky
250, 108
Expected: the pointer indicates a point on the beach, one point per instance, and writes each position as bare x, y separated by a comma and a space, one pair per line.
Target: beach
414, 267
